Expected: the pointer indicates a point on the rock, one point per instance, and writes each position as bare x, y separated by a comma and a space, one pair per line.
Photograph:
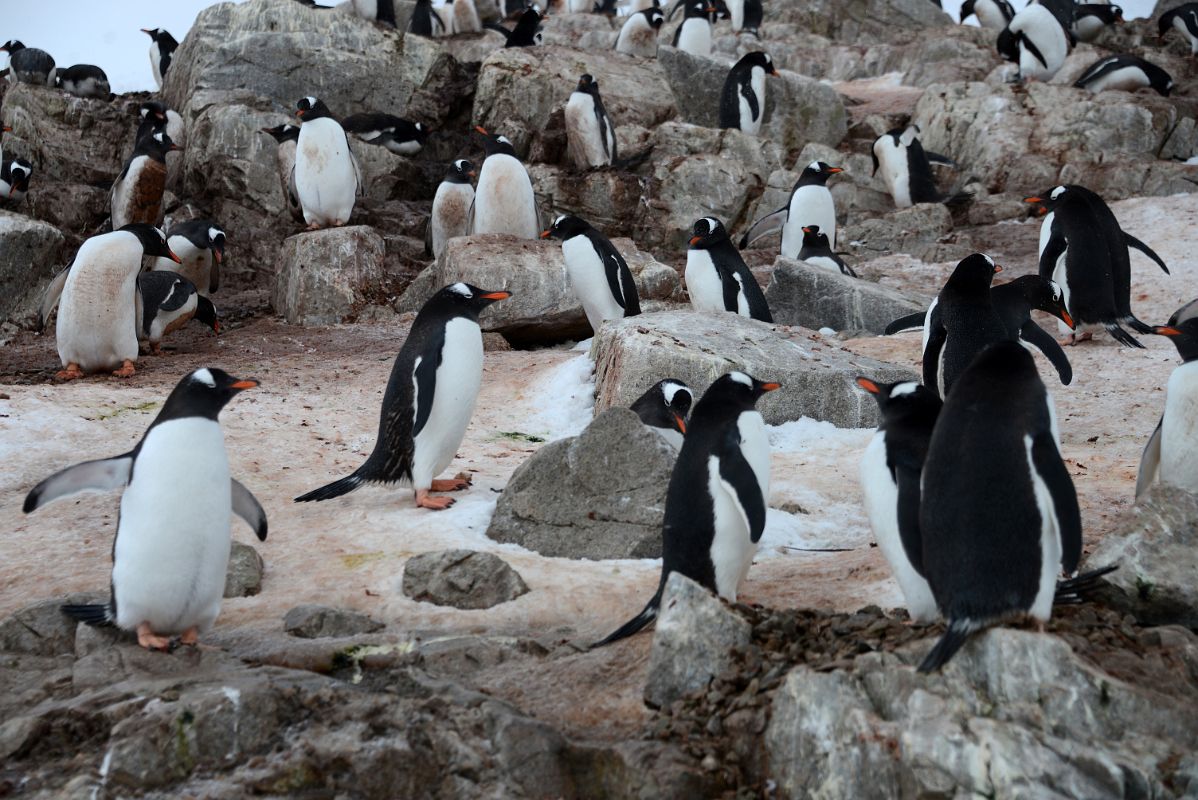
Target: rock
328, 276
864, 20
1156, 547
915, 231
319, 622
542, 309
31, 253
462, 579
597, 495
696, 82
40, 629
817, 375
244, 575
800, 111
693, 642
800, 294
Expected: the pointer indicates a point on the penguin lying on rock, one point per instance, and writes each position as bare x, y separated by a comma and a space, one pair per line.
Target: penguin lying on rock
1125, 73
817, 252
717, 278
84, 80
398, 135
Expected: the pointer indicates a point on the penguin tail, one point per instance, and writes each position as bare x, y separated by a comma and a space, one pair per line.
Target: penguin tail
959, 631
335, 489
1121, 336
1074, 590
958, 200
98, 615
637, 623
1135, 324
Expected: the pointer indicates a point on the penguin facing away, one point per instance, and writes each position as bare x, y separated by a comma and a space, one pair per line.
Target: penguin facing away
1126, 73
137, 192
598, 273
429, 400
817, 252
717, 278
1184, 19
590, 134
742, 101
162, 50
28, 64
398, 135
999, 515
992, 14
638, 36
425, 21
716, 501
664, 408
327, 176
753, 16
504, 201
200, 246
167, 301
287, 137
1092, 18
167, 579
450, 216
84, 80
1171, 455
810, 204
961, 323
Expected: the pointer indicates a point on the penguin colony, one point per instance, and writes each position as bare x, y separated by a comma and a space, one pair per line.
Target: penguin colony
974, 542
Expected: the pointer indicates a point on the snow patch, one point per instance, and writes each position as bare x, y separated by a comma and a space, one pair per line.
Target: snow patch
562, 402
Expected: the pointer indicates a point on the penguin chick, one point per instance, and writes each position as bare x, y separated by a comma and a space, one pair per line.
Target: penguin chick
638, 36
397, 135
84, 80
664, 409
716, 276
1125, 73
742, 101
598, 273
590, 134
28, 64
817, 252
166, 302
162, 50
1171, 455
450, 216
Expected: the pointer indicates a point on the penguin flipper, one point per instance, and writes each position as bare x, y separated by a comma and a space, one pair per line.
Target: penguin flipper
246, 506
1031, 48
1038, 338
1046, 459
1070, 591
740, 481
937, 158
845, 269
360, 185
1145, 249
1150, 461
494, 26
637, 623
337, 488
50, 301
959, 631
906, 323
908, 515
931, 355
102, 475
1053, 248
768, 224
746, 91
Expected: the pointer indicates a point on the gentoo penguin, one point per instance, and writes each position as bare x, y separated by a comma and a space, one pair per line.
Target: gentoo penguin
14, 180
97, 323
199, 245
810, 204
287, 137
742, 101
167, 301
429, 400
817, 252
907, 169
638, 36
1125, 73
1084, 251
1171, 455
598, 273
503, 200
137, 192
1043, 41
717, 278
1183, 18
716, 501
327, 178
425, 21
527, 32
890, 474
754, 13
394, 133
162, 50
999, 515
84, 80
961, 323
173, 532
464, 18
606, 7
992, 14
1091, 18
590, 134
382, 11
694, 34
28, 64
450, 216
664, 409
154, 116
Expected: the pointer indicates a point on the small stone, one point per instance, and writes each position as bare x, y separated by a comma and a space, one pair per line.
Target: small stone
462, 579
318, 622
244, 575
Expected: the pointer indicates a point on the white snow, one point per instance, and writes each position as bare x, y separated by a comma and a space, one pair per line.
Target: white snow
562, 401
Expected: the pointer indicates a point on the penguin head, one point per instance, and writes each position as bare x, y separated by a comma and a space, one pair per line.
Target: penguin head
161, 38
812, 237
203, 393
567, 226
816, 174
974, 274
654, 17
460, 171
152, 110
463, 300
310, 108
588, 85
701, 8
967, 9
898, 399
19, 171
156, 143
153, 240
707, 232
677, 398
494, 144
283, 133
736, 390
1184, 336
216, 242
206, 313
1044, 295
12, 46
758, 58
1054, 197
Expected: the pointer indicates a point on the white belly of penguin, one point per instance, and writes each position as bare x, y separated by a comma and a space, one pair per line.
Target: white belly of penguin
732, 548
172, 546
736, 15
465, 17
1126, 79
927, 325
169, 321
451, 209
1050, 541
324, 173
990, 15
97, 313
809, 205
1043, 30
156, 65
1179, 430
748, 123
823, 262
458, 380
892, 161
584, 140
696, 36
703, 282
588, 279
503, 201
637, 38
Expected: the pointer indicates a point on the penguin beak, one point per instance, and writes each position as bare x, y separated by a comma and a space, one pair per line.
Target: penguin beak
1032, 200
481, 129
300, 113
545, 234
868, 385
147, 31
806, 230
834, 170
218, 255
695, 240
1066, 317
774, 72
1161, 330
681, 423
216, 327
6, 128
171, 255
769, 387
493, 296
241, 386
174, 147
472, 174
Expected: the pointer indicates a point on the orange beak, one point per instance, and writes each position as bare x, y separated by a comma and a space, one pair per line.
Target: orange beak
545, 234
868, 385
216, 254
6, 128
1067, 318
834, 170
681, 424
1161, 330
175, 147
769, 387
472, 174
216, 327
174, 257
300, 113
496, 295
997, 269
1032, 200
807, 230
695, 240
481, 130
147, 31
246, 384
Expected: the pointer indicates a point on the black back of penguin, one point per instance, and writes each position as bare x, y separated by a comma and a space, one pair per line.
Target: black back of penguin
1014, 302
738, 281
739, 85
962, 322
815, 245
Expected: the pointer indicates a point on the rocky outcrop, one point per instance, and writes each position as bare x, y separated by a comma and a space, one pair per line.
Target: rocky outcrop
328, 276
864, 20
597, 495
917, 231
318, 622
31, 254
814, 297
461, 579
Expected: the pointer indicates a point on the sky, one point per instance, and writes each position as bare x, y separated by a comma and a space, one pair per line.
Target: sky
107, 33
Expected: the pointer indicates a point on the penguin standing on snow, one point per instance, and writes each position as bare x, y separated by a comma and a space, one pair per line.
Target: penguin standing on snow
450, 216
598, 273
429, 400
907, 169
137, 192
28, 64
961, 323
398, 135
810, 204
167, 301
1171, 455
162, 50
694, 34
84, 80
890, 475
716, 501
287, 137
742, 101
200, 246
716, 276
1043, 40
664, 409
590, 134
638, 36
1125, 73
1183, 18
817, 252
167, 579
327, 177
503, 199
999, 515
992, 14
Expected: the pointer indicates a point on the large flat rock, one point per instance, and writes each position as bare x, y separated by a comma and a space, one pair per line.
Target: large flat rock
814, 297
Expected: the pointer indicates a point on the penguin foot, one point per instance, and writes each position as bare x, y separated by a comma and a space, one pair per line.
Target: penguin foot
1075, 338
190, 637
155, 349
449, 485
424, 500
149, 640
126, 371
69, 373
315, 226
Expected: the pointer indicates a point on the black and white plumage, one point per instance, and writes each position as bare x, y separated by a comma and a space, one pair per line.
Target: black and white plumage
597, 272
1083, 250
693, 35
504, 201
1090, 19
716, 501
381, 11
287, 137
450, 216
742, 100
638, 36
810, 203
1171, 455
999, 514
717, 278
398, 135
162, 50
992, 14
590, 133
1042, 38
425, 21
527, 32
754, 14
200, 246
15, 174
429, 400
167, 301
154, 116
171, 549
137, 192
961, 323
817, 252
664, 409
890, 476
327, 176
907, 168
1125, 73
1184, 19
28, 64
84, 80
